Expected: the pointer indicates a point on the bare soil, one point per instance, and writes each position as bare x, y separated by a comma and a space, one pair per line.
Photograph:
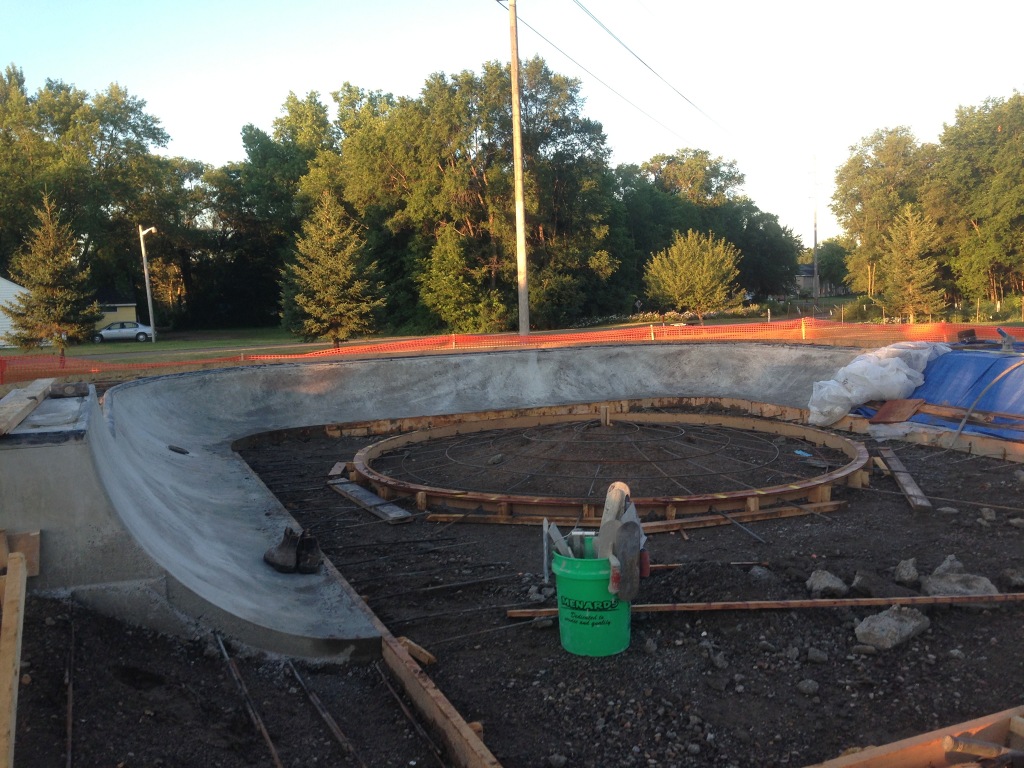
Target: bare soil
764, 688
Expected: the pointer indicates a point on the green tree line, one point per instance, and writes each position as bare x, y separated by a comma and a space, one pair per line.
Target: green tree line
930, 226
408, 201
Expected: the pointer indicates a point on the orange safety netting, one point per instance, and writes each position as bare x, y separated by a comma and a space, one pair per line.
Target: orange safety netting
16, 367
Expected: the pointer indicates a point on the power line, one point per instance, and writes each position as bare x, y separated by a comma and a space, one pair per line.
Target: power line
634, 54
595, 77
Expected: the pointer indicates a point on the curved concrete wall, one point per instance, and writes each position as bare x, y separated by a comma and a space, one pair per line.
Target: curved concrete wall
206, 519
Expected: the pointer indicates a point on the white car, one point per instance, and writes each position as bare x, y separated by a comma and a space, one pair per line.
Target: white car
125, 331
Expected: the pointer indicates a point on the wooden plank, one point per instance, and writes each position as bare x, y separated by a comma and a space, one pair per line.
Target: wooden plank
924, 749
10, 654
896, 411
918, 501
788, 605
27, 543
1017, 725
19, 403
417, 651
370, 501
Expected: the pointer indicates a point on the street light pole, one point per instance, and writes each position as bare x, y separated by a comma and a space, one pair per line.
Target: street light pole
145, 272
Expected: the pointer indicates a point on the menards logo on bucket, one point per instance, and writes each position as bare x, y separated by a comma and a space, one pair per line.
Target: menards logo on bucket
588, 605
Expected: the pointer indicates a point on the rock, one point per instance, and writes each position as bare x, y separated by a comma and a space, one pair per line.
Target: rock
650, 645
957, 584
808, 687
906, 572
1019, 474
950, 565
988, 514
761, 575
948, 510
496, 459
1016, 522
824, 584
557, 761
719, 661
817, 656
891, 627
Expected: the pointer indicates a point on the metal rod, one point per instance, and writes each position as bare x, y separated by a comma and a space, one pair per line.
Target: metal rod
332, 724
434, 750
250, 708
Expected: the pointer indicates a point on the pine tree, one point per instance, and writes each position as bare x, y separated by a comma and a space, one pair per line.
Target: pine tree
325, 291
58, 307
908, 267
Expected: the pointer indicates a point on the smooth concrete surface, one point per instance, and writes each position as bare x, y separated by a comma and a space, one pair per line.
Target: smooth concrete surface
203, 519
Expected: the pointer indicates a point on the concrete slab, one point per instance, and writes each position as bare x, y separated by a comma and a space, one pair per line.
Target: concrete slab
203, 519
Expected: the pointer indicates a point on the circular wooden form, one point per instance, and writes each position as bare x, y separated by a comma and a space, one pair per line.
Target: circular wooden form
805, 496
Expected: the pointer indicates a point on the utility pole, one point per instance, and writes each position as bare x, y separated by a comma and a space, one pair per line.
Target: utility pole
145, 273
517, 161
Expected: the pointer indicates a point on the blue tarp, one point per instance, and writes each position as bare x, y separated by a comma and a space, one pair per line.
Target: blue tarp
963, 378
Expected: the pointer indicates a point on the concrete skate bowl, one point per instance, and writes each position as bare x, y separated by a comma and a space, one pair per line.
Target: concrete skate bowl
162, 448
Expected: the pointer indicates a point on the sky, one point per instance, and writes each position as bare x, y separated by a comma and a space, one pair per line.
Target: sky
782, 89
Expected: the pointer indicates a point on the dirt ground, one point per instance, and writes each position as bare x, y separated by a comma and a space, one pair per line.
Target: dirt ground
735, 689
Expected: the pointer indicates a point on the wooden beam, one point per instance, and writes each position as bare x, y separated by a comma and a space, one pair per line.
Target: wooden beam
11, 625
918, 501
370, 501
27, 543
786, 605
19, 403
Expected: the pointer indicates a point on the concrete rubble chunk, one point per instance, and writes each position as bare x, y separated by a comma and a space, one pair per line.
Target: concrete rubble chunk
825, 584
957, 584
906, 572
950, 565
892, 627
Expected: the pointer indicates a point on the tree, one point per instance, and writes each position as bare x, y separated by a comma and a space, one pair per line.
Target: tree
832, 255
883, 173
696, 176
326, 291
908, 266
58, 307
697, 273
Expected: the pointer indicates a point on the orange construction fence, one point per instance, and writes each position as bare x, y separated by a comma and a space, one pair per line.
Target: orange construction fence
19, 367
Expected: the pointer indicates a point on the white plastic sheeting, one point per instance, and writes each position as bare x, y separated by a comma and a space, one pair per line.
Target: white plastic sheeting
889, 373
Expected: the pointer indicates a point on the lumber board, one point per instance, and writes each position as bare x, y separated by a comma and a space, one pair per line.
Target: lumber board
657, 526
370, 501
417, 651
896, 411
19, 403
27, 543
918, 501
786, 605
925, 748
11, 625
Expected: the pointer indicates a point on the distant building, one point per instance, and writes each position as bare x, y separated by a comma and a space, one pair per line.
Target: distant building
116, 308
8, 292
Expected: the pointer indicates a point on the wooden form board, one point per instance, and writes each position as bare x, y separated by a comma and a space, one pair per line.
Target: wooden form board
927, 749
11, 624
896, 411
19, 403
25, 543
370, 501
918, 501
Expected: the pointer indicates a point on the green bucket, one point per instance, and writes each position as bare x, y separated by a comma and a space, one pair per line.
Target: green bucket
591, 620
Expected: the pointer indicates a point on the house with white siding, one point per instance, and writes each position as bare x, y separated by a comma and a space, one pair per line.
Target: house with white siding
8, 291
